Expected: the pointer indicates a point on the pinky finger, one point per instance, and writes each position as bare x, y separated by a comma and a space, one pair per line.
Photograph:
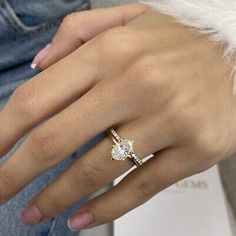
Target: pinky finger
161, 171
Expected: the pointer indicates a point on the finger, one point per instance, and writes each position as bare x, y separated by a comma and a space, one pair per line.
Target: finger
46, 94
161, 171
95, 168
58, 138
78, 28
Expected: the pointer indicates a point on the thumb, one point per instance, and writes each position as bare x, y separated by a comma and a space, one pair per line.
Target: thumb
78, 28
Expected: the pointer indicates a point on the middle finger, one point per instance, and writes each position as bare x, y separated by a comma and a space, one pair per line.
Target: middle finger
58, 138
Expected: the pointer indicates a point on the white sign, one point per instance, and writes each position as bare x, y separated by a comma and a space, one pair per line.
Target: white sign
192, 207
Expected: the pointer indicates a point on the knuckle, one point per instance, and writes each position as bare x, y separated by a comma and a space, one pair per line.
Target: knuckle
92, 175
143, 190
5, 186
199, 134
182, 114
69, 21
144, 79
44, 145
150, 70
119, 42
55, 206
211, 146
25, 100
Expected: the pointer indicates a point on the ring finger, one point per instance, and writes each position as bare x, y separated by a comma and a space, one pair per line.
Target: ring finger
95, 169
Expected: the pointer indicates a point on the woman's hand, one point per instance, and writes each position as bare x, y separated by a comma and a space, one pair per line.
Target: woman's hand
154, 80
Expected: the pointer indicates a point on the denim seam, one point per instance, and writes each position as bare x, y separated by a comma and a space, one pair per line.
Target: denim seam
6, 13
38, 29
53, 226
16, 22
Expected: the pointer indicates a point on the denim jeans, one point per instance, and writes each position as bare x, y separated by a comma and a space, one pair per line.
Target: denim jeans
26, 26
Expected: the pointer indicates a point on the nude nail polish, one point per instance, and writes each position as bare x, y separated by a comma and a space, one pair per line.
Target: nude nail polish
31, 215
80, 221
40, 56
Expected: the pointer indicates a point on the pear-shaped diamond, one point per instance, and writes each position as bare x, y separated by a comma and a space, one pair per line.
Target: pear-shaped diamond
121, 150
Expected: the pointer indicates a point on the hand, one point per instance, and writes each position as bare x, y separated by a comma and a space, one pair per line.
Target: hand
155, 81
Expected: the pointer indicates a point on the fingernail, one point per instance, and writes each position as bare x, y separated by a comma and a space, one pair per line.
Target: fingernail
31, 215
80, 221
40, 56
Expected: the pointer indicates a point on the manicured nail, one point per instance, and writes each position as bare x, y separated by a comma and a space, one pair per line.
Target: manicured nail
31, 215
80, 221
40, 56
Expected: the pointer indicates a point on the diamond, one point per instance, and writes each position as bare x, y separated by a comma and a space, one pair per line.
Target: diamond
121, 150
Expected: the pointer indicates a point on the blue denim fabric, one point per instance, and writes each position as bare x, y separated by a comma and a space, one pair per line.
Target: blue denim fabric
26, 26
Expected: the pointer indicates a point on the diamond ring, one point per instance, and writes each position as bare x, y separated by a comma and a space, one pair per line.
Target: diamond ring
123, 149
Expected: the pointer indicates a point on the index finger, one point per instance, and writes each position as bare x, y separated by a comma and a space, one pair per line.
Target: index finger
78, 28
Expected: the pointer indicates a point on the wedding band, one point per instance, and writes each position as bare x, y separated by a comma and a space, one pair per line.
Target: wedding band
123, 149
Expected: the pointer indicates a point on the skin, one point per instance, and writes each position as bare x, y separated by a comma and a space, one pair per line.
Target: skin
129, 67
